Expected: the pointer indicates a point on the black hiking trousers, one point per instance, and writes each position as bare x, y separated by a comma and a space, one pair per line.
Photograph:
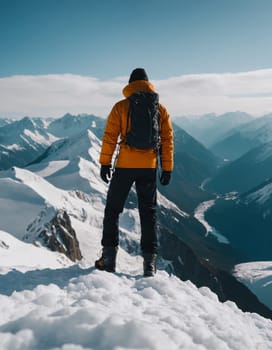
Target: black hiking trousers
146, 187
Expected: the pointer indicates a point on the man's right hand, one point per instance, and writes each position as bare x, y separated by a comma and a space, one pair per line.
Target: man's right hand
165, 178
105, 173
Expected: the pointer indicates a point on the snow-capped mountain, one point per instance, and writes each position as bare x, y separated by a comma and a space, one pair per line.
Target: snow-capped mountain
193, 162
22, 141
65, 181
5, 121
244, 173
70, 125
31, 140
211, 128
244, 138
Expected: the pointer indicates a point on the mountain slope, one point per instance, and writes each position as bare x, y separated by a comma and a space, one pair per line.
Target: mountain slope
257, 277
76, 188
245, 172
244, 138
20, 256
70, 125
76, 307
5, 121
246, 221
210, 128
193, 163
23, 141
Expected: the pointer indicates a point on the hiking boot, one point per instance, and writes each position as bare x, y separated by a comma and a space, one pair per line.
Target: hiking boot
107, 262
150, 267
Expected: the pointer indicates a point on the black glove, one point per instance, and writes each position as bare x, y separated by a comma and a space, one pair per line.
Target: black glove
105, 173
165, 177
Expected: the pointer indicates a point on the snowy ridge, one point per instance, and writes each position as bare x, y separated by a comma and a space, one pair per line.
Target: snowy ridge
26, 133
262, 195
70, 125
163, 201
24, 141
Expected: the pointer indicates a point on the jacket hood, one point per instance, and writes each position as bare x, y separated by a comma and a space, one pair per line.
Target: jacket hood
136, 86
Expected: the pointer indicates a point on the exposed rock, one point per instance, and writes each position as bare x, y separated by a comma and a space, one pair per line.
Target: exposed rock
4, 245
60, 236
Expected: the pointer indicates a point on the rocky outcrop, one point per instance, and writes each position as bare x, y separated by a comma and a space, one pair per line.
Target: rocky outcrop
60, 236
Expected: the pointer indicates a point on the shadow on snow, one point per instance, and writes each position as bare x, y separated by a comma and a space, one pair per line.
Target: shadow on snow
19, 281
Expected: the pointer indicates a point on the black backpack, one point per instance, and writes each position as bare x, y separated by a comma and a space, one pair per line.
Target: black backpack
144, 117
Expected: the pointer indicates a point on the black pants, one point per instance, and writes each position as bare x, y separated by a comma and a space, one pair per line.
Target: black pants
146, 188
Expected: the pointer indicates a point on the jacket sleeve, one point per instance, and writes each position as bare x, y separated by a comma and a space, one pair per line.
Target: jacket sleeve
110, 138
167, 140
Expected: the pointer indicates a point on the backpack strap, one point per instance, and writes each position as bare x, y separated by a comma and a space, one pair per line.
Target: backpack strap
128, 116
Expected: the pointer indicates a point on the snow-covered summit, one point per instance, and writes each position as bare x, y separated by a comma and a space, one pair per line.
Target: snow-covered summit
26, 131
69, 125
88, 309
22, 141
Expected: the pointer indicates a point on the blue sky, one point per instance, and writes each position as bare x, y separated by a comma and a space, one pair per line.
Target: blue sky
106, 39
203, 56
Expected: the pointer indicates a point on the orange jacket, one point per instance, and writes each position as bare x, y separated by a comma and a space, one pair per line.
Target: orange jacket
116, 127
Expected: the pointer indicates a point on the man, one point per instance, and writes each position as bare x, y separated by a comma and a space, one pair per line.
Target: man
137, 166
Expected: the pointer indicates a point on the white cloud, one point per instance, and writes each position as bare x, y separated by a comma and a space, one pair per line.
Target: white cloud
54, 95
204, 93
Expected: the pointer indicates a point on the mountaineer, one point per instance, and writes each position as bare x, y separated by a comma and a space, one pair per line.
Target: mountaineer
142, 128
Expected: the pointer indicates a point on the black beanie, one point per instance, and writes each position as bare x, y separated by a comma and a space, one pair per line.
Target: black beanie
138, 74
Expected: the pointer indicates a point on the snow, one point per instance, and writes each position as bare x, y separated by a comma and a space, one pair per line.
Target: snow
14, 147
170, 205
262, 195
40, 139
200, 216
23, 257
50, 168
257, 276
48, 302
19, 204
98, 310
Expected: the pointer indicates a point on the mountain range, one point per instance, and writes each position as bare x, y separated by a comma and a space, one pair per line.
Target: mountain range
241, 139
211, 128
56, 200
